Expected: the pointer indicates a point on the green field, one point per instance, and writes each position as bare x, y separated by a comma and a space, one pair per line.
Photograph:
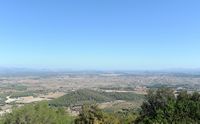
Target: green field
18, 87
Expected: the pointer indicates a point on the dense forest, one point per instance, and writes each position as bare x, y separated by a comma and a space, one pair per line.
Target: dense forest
160, 106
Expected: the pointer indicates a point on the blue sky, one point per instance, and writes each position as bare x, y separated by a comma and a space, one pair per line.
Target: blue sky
100, 34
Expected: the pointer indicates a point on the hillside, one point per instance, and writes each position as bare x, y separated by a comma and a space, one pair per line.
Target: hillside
85, 95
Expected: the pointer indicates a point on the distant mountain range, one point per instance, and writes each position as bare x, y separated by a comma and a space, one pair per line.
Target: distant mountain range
12, 71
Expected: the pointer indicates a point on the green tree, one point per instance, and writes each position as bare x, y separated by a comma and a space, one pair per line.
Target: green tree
162, 107
90, 114
40, 113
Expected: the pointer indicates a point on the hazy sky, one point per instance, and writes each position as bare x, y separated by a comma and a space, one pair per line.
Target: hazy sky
100, 34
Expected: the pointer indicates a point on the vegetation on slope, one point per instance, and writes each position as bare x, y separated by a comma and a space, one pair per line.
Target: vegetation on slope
22, 94
84, 96
40, 113
91, 114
